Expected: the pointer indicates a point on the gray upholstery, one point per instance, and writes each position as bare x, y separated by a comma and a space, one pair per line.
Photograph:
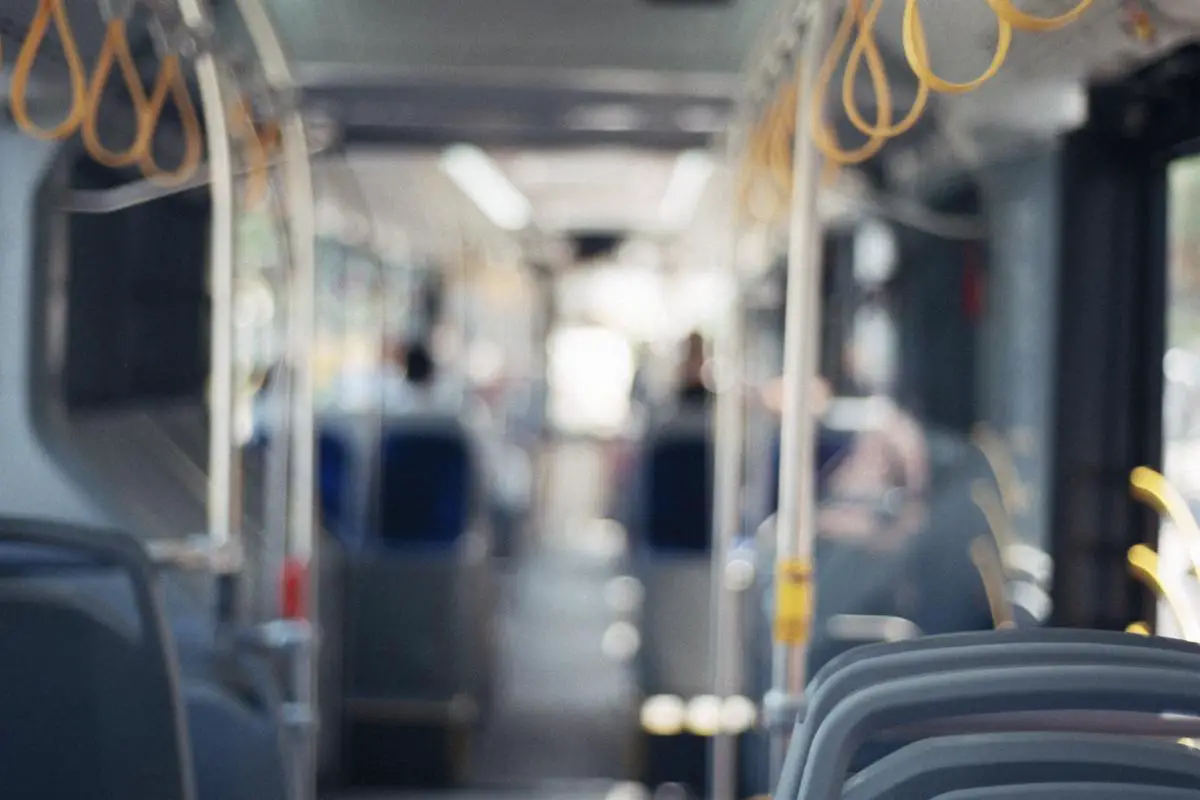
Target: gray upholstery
1072, 791
985, 691
226, 701
89, 711
674, 562
870, 665
677, 655
415, 626
237, 752
91, 706
934, 766
417, 621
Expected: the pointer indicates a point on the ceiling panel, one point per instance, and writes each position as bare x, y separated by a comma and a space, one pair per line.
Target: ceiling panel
599, 190
532, 34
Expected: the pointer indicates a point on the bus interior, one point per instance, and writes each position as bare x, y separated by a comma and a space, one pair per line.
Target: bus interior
608, 400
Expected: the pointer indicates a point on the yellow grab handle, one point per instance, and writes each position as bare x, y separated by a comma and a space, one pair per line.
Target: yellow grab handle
866, 49
793, 602
1138, 628
1011, 15
822, 132
116, 49
916, 52
171, 81
1153, 489
1143, 564
47, 11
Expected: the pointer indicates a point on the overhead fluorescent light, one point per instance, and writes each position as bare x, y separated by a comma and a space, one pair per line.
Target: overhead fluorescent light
481, 180
690, 176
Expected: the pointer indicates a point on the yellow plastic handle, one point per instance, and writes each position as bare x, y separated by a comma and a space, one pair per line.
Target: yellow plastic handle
823, 134
1011, 15
1144, 565
793, 602
171, 82
116, 50
916, 52
1138, 629
1153, 489
866, 50
49, 11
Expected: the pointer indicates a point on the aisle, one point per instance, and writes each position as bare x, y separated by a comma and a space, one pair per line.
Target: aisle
565, 708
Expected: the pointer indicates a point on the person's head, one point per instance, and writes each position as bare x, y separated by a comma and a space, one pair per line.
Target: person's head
395, 353
693, 361
418, 364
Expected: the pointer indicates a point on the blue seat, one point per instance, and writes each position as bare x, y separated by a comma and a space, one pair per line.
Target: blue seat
335, 475
679, 490
416, 604
426, 485
338, 472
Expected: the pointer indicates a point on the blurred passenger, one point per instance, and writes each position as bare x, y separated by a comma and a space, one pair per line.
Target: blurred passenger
414, 385
422, 389
693, 388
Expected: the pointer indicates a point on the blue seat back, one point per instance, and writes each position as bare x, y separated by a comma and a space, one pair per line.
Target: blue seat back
426, 484
337, 475
334, 470
679, 469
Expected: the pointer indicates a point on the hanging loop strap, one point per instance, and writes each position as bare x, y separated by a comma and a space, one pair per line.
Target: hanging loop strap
49, 11
116, 50
171, 81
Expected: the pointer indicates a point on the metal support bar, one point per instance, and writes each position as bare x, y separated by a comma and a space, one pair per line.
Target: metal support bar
224, 510
140, 192
303, 543
729, 441
796, 520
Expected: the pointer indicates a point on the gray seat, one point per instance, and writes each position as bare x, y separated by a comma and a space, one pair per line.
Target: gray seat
935, 766
674, 555
907, 701
416, 596
90, 708
1072, 791
236, 751
225, 701
866, 666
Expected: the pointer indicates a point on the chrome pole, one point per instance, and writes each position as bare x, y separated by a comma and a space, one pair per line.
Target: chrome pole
796, 520
728, 443
224, 508
302, 544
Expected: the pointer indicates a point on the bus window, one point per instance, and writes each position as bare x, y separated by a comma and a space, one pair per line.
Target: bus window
1181, 368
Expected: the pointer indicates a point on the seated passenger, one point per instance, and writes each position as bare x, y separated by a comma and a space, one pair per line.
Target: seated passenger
422, 390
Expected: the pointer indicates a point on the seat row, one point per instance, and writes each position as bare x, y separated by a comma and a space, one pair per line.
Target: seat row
1013, 713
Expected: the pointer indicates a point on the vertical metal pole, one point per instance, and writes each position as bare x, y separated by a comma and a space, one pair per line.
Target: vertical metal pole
796, 519
728, 444
303, 543
224, 510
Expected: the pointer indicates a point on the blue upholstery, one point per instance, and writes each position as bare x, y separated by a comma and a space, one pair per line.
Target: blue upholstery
426, 487
679, 491
335, 470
